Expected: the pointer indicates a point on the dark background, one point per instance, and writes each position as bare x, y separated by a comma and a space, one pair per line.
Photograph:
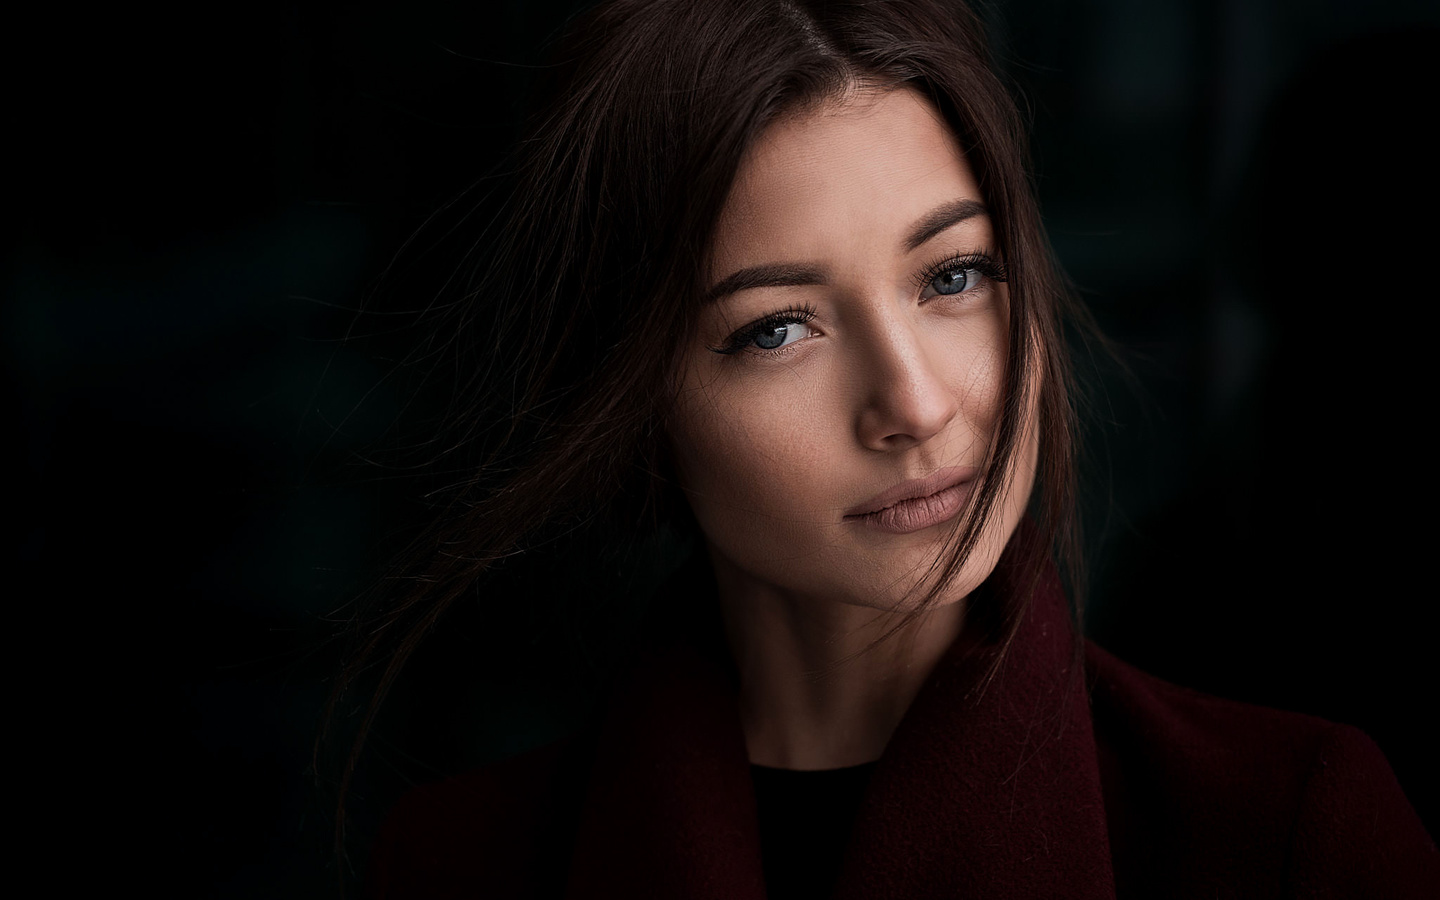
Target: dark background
1241, 190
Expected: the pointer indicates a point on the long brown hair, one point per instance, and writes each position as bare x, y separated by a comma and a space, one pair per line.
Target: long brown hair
560, 409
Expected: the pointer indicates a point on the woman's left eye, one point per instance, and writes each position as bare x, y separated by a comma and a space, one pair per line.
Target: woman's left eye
956, 276
953, 281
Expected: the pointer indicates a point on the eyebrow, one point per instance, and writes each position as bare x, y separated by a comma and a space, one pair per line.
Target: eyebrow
771, 275
941, 218
932, 223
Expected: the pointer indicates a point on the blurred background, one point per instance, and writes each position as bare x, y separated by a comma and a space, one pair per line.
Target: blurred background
200, 204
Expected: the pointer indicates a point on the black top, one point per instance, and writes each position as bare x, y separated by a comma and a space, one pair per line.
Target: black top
805, 821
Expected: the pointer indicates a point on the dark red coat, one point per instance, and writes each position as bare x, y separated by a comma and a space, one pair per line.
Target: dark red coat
1042, 785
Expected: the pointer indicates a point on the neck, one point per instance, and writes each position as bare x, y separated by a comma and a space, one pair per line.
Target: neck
811, 695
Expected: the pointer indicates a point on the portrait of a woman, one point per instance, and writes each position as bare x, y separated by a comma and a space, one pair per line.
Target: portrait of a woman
728, 449
773, 275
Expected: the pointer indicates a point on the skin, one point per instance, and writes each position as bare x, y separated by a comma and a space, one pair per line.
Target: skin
889, 381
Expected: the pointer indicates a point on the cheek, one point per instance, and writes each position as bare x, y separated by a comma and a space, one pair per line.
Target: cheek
752, 456
976, 366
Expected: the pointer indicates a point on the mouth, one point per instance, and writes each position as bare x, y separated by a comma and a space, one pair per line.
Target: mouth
917, 504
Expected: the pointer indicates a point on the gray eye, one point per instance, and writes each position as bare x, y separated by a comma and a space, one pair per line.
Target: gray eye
951, 282
774, 338
781, 335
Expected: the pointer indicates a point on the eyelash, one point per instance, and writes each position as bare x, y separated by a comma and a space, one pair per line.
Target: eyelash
981, 262
742, 339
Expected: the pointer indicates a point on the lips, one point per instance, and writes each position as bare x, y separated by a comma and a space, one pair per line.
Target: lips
918, 503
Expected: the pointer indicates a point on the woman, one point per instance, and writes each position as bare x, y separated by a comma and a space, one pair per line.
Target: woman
772, 273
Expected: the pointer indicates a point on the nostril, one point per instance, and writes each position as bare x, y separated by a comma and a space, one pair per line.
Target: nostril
907, 412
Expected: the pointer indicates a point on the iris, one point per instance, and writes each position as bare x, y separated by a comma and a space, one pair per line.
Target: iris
951, 282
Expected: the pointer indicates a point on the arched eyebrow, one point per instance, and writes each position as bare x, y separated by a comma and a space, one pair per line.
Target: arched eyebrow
772, 275
942, 217
932, 223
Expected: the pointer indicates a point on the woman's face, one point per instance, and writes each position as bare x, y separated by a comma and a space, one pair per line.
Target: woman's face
839, 398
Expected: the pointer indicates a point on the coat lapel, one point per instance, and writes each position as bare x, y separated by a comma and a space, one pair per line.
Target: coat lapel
984, 793
992, 793
670, 810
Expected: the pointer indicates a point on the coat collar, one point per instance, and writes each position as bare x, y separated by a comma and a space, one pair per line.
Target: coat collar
992, 792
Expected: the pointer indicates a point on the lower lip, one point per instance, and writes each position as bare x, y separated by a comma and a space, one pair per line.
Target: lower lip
919, 513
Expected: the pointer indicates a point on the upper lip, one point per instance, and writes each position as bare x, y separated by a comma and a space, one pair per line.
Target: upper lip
913, 489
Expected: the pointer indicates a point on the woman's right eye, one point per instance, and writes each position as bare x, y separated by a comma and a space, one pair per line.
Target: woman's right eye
779, 336
770, 334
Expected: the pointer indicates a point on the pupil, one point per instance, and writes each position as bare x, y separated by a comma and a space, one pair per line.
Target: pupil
773, 339
952, 282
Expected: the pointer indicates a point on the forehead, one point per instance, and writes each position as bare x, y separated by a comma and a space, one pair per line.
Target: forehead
860, 168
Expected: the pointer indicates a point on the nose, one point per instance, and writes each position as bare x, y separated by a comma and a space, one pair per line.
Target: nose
906, 398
